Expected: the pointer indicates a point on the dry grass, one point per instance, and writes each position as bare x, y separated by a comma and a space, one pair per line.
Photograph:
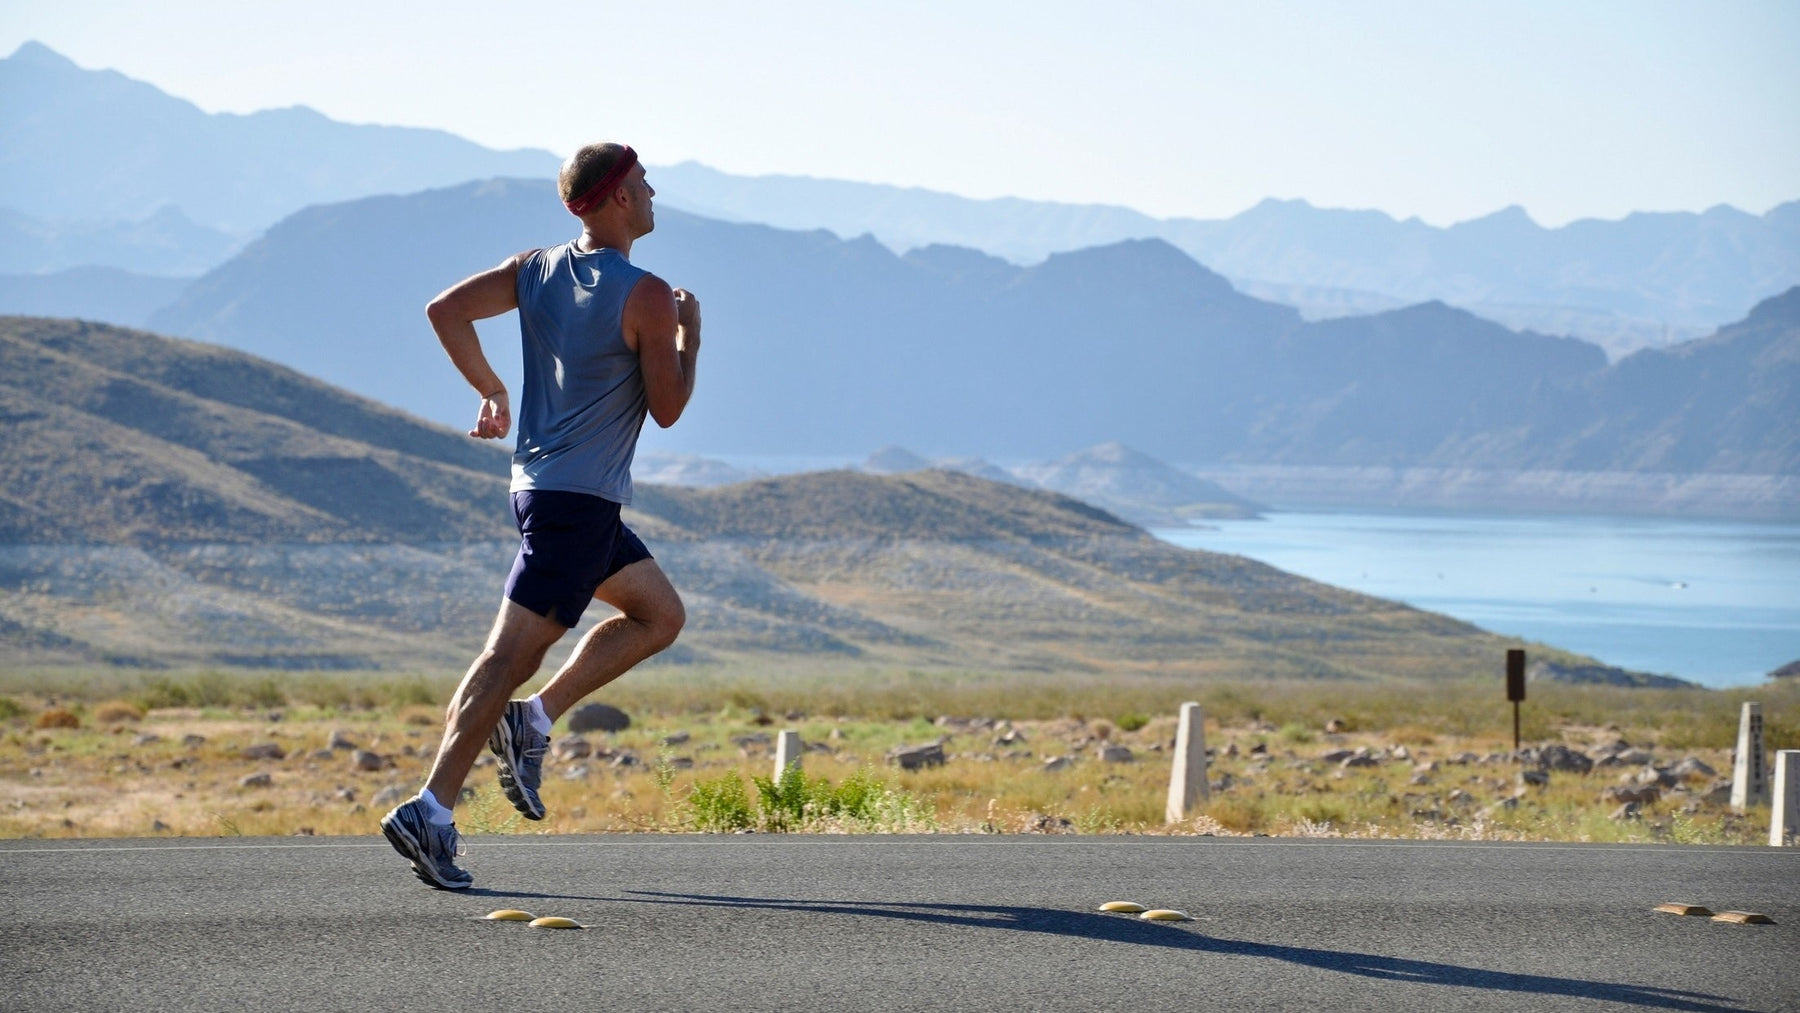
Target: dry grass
179, 770
114, 712
56, 717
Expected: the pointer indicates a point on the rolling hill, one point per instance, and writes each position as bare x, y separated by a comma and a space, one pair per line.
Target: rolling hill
171, 503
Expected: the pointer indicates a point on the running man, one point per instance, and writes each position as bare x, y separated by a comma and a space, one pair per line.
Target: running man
604, 343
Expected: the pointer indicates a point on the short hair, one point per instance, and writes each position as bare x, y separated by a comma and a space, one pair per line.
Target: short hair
587, 166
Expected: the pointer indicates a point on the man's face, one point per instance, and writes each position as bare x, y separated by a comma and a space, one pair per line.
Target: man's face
643, 216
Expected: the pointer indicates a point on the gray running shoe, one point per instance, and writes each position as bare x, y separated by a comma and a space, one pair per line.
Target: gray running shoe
432, 848
521, 749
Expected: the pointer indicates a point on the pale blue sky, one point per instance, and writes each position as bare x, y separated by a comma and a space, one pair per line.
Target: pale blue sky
1443, 110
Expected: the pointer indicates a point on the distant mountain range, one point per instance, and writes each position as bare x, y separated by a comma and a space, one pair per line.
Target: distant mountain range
1125, 482
1649, 279
824, 346
90, 155
1137, 486
170, 503
98, 147
95, 293
163, 244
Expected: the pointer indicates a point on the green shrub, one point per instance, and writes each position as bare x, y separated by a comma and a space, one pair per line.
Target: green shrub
161, 691
10, 708
415, 690
1132, 722
719, 805
747, 700
1240, 814
782, 802
333, 693
1320, 810
213, 688
487, 812
862, 802
1296, 733
264, 692
858, 798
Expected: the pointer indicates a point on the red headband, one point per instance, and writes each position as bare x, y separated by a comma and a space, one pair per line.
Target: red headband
593, 196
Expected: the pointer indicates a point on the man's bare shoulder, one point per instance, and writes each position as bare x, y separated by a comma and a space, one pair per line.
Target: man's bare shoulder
649, 310
651, 299
652, 287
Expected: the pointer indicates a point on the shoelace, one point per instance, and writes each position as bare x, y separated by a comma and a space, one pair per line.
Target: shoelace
449, 840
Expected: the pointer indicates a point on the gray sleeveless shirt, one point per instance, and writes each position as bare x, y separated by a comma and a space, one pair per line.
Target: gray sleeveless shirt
582, 403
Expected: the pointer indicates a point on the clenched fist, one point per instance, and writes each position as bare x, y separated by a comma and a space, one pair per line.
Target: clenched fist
687, 314
495, 417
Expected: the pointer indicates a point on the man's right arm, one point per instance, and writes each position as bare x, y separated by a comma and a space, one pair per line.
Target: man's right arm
453, 314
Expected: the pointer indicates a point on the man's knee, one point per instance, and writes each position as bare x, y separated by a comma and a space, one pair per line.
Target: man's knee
664, 619
522, 635
644, 595
515, 661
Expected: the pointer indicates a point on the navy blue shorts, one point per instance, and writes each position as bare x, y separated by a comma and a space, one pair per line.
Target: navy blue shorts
569, 543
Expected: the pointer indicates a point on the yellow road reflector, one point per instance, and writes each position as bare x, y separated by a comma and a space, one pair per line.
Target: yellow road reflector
555, 923
1122, 907
1683, 909
507, 914
1743, 918
1163, 914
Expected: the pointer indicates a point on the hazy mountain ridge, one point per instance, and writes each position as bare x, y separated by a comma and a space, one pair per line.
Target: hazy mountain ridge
1135, 485
176, 528
96, 145
163, 244
101, 294
90, 154
1133, 342
1625, 283
1531, 491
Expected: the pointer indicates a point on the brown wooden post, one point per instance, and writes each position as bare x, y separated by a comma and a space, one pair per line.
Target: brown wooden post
1515, 686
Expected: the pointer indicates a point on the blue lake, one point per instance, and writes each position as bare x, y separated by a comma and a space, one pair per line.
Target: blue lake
1714, 602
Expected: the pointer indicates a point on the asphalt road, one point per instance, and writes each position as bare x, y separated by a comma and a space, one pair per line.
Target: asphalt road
895, 923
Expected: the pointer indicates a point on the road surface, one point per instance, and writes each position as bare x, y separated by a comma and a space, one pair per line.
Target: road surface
806, 923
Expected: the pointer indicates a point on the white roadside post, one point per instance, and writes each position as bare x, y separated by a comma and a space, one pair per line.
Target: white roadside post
1749, 771
787, 752
1784, 819
1187, 782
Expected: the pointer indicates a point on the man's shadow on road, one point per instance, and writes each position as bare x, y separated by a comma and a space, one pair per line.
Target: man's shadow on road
1120, 929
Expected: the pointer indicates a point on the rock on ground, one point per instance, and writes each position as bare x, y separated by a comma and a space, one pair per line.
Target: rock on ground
931, 754
598, 717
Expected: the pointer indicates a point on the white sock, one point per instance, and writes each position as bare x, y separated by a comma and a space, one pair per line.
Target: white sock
434, 810
539, 720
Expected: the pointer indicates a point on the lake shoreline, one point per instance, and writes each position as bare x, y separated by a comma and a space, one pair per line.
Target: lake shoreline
1708, 496
1714, 602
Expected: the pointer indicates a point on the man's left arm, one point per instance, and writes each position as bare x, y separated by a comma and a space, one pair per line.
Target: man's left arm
664, 324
